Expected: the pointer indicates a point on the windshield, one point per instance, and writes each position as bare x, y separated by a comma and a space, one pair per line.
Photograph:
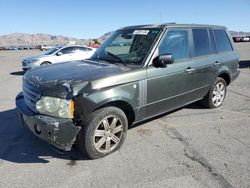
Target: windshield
53, 50
129, 47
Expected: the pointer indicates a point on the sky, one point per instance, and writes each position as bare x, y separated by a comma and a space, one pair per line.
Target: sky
91, 19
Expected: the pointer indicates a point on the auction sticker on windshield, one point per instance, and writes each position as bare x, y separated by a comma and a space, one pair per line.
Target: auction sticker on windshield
140, 32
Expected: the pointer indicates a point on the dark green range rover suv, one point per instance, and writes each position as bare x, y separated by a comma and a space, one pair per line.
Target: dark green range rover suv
138, 73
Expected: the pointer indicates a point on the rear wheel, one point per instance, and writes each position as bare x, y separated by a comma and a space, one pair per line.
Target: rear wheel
216, 94
103, 132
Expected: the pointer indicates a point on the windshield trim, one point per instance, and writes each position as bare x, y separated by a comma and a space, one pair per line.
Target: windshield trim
148, 60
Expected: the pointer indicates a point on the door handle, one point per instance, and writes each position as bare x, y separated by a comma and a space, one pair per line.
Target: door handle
189, 70
216, 63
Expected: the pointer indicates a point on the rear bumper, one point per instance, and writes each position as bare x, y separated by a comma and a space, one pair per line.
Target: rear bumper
59, 132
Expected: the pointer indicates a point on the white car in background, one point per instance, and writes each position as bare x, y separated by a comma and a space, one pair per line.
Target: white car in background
58, 55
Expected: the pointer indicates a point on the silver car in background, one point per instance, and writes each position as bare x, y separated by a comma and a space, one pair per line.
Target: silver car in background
58, 55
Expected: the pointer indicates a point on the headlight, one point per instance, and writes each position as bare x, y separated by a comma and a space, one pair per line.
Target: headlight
55, 107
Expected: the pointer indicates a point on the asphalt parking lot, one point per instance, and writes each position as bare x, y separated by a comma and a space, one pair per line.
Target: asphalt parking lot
190, 147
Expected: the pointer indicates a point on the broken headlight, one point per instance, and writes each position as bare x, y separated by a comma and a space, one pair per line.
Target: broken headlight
55, 107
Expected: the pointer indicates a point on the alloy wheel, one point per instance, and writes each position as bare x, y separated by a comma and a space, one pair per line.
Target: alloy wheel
108, 134
218, 94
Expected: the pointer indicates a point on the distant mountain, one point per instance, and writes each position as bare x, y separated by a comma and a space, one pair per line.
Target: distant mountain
43, 39
105, 36
36, 39
100, 39
47, 39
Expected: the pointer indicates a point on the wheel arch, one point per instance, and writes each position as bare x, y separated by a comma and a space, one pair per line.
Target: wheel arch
226, 76
45, 62
124, 106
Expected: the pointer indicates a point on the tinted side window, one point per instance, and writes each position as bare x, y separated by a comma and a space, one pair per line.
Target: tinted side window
201, 42
82, 49
175, 42
79, 49
223, 43
68, 50
87, 49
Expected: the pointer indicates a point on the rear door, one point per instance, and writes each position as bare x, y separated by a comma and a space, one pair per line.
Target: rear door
82, 53
67, 54
227, 55
206, 61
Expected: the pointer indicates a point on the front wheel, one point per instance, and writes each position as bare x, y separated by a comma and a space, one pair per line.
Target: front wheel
103, 132
216, 94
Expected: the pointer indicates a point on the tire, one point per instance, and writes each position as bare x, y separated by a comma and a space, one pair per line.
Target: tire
45, 63
216, 94
103, 132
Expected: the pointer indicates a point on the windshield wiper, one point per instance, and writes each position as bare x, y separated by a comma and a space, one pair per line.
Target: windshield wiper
117, 58
103, 59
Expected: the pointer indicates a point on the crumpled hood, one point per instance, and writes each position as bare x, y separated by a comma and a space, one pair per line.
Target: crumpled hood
67, 79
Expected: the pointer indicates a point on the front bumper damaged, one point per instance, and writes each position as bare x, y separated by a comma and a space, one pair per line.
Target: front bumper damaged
59, 132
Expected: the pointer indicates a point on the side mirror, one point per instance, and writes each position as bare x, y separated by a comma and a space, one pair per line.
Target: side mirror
59, 53
161, 61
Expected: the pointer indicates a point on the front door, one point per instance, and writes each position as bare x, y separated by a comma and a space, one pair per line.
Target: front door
171, 87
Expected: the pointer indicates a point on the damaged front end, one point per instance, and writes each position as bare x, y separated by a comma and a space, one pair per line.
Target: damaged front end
49, 104
59, 132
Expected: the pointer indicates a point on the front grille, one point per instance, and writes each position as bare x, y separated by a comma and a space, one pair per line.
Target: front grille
31, 95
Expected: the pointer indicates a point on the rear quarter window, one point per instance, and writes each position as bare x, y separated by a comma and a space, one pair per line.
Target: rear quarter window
82, 49
223, 43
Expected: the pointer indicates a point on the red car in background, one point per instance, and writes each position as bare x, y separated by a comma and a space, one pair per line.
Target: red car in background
94, 44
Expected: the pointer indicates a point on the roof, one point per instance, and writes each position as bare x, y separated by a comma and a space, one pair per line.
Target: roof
167, 25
